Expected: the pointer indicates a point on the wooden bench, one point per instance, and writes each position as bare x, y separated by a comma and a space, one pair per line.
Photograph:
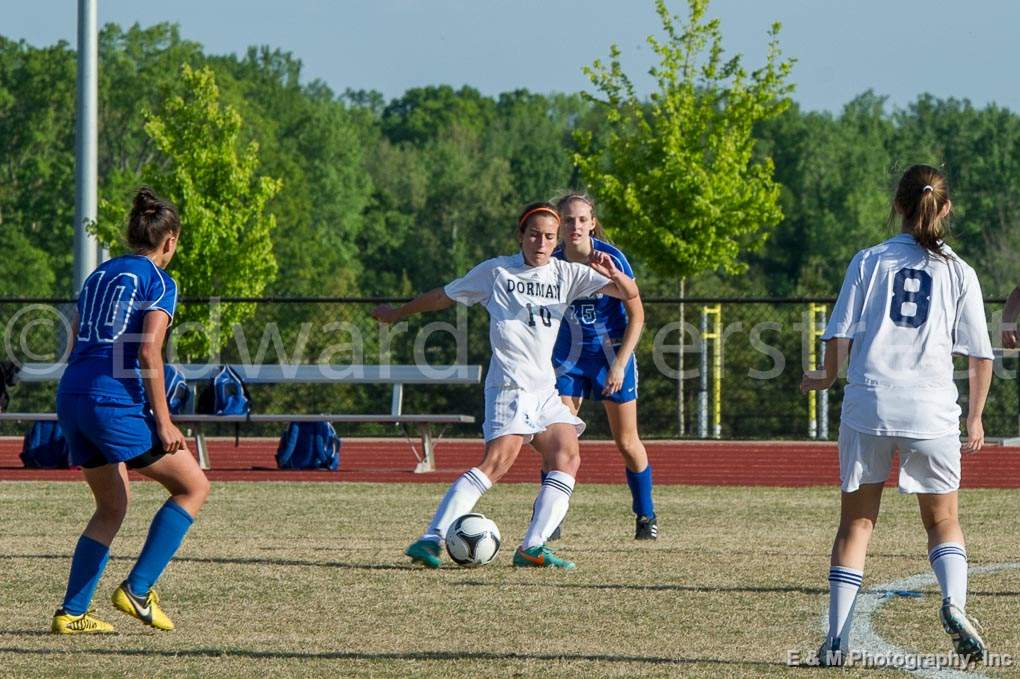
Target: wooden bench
395, 375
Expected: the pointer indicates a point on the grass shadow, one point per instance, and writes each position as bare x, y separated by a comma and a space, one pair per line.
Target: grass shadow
439, 656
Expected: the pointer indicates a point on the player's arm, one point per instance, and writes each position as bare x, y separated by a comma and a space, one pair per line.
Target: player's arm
1009, 319
621, 286
635, 323
979, 373
837, 350
75, 324
433, 300
150, 359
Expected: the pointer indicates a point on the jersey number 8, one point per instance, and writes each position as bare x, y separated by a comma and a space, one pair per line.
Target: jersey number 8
919, 295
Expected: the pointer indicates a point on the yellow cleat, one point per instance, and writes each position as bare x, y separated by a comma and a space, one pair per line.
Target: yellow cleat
144, 608
86, 623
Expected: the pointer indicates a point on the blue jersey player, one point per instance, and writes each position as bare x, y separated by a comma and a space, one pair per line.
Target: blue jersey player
594, 354
112, 409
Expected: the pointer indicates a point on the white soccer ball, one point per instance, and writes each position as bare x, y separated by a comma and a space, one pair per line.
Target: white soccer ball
473, 540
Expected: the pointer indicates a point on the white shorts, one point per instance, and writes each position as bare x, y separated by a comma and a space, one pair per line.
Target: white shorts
513, 411
926, 465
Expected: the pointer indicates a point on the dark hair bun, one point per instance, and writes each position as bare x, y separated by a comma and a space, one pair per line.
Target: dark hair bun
152, 218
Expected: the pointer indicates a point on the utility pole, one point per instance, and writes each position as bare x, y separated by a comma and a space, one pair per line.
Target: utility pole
86, 143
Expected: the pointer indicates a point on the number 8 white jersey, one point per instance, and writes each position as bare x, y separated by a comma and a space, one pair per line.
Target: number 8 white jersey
525, 305
907, 313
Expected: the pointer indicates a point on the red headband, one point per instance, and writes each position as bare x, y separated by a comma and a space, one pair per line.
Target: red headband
541, 208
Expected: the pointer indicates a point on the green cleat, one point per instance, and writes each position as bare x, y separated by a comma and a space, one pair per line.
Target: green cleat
540, 557
425, 552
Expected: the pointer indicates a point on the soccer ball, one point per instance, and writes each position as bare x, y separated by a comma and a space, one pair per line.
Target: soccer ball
472, 540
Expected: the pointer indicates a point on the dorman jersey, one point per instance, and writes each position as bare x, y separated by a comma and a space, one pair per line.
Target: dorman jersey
525, 305
593, 319
907, 313
111, 311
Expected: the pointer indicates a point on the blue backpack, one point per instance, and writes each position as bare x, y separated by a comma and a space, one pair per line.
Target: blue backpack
309, 445
226, 394
178, 396
45, 447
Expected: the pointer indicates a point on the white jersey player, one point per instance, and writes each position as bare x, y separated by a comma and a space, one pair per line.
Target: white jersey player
526, 296
906, 307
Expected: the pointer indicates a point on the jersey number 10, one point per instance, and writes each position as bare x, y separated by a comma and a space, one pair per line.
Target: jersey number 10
543, 313
919, 296
105, 306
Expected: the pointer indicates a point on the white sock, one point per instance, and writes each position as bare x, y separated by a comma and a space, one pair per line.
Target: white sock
458, 501
844, 583
949, 561
550, 507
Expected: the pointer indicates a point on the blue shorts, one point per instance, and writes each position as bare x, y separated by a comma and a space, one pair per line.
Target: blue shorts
586, 378
94, 425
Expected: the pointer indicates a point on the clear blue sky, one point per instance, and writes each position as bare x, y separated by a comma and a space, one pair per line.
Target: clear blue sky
898, 48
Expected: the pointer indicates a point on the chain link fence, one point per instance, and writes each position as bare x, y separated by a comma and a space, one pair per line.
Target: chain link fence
733, 372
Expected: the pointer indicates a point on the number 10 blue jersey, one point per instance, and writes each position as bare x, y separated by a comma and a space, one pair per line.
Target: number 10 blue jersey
111, 311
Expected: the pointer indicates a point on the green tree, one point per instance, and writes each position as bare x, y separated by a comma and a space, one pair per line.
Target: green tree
677, 175
312, 141
226, 246
836, 189
36, 166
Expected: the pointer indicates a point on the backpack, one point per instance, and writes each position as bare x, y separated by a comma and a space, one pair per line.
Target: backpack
309, 445
45, 447
226, 394
178, 396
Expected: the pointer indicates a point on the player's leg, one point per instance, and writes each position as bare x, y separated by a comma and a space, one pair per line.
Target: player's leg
858, 515
864, 464
560, 454
463, 494
573, 384
931, 468
623, 424
574, 404
188, 486
946, 550
109, 485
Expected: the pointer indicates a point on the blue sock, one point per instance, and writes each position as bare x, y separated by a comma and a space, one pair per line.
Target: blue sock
165, 535
87, 566
641, 491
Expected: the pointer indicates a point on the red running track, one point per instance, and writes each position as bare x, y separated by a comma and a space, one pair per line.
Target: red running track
737, 463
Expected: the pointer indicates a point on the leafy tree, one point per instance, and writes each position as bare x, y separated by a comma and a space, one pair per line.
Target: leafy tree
314, 143
226, 248
679, 171
423, 113
37, 165
25, 270
836, 190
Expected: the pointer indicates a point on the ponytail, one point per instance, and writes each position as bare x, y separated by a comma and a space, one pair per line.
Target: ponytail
921, 196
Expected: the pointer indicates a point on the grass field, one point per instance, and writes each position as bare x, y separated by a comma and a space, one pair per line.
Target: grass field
284, 579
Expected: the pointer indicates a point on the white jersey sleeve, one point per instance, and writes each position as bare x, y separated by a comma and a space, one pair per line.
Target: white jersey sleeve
970, 330
583, 281
475, 286
847, 312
